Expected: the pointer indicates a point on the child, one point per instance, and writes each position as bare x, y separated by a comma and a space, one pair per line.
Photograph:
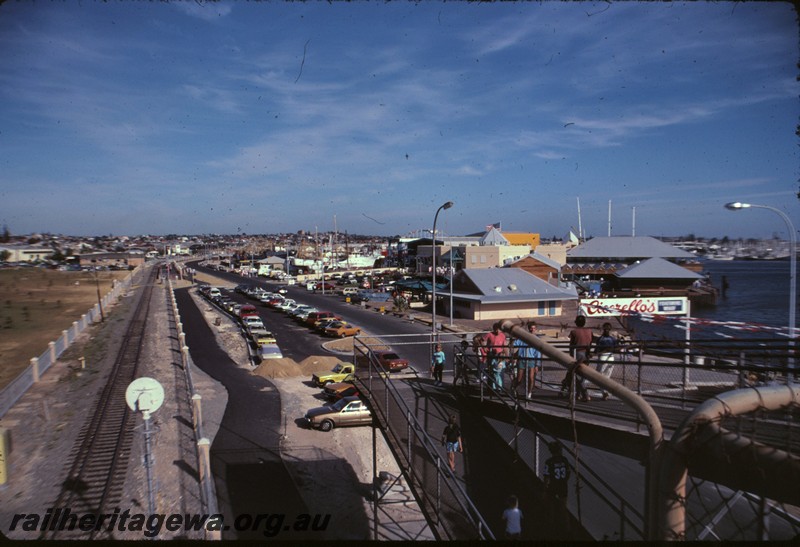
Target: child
513, 519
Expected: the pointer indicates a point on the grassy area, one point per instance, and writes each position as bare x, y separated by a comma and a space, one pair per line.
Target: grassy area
36, 305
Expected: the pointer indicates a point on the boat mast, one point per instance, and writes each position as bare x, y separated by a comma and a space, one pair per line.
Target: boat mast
580, 227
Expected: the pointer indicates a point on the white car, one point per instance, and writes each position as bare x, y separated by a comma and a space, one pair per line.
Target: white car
286, 304
251, 321
269, 351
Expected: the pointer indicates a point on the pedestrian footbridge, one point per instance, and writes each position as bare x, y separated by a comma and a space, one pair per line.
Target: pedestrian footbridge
696, 442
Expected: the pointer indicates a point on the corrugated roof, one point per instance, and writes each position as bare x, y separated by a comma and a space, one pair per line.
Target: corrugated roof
512, 285
626, 247
657, 268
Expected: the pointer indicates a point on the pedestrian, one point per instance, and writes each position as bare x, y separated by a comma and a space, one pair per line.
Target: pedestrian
437, 364
460, 364
512, 516
479, 347
605, 346
556, 472
451, 440
528, 359
556, 484
496, 354
580, 344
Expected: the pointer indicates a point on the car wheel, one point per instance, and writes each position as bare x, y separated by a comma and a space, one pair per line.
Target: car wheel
326, 425
325, 383
343, 335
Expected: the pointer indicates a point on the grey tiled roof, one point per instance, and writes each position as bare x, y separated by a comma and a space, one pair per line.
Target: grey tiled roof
512, 285
626, 247
657, 268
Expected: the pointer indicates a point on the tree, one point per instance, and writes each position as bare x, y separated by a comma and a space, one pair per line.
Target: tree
5, 255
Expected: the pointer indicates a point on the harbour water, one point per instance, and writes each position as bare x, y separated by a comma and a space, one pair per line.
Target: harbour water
757, 294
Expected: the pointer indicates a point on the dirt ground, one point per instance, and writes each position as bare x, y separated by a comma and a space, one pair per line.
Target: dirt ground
37, 305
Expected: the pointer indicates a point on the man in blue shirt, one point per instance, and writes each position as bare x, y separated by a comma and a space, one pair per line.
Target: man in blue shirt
527, 359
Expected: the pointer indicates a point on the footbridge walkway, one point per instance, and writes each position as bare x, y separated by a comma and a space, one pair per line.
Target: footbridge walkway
697, 441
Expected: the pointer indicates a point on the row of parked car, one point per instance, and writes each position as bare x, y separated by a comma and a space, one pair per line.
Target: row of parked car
324, 322
260, 338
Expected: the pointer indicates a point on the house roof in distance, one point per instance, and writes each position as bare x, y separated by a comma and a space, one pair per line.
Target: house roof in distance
657, 268
508, 285
626, 247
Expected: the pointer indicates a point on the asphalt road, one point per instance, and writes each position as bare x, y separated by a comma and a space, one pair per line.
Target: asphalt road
250, 476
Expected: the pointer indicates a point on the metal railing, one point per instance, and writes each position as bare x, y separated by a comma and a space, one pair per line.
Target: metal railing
450, 512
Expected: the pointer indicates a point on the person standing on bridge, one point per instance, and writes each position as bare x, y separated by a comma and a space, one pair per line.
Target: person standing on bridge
527, 358
605, 346
437, 364
451, 439
580, 344
496, 354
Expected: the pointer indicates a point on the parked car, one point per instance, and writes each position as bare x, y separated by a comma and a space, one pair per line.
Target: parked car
387, 359
320, 326
269, 351
326, 286
341, 329
346, 411
340, 390
247, 310
342, 372
312, 318
285, 304
260, 336
251, 321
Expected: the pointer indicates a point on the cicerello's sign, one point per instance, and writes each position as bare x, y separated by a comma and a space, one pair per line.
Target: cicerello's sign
606, 307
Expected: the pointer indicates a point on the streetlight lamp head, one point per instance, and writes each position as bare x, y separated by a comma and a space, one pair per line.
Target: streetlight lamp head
735, 206
447, 205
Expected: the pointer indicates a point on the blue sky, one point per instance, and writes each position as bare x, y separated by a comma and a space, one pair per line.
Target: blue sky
186, 117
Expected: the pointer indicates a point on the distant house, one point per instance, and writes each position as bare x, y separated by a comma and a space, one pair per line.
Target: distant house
122, 261
655, 274
603, 256
499, 293
29, 253
539, 265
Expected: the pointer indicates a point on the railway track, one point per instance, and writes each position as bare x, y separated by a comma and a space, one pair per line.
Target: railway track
99, 458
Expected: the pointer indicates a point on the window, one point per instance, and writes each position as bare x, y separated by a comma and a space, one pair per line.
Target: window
473, 259
483, 259
541, 308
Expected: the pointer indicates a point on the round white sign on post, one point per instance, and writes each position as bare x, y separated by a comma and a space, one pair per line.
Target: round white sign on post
144, 395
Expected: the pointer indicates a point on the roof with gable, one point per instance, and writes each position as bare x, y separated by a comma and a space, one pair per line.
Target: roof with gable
494, 237
541, 258
656, 268
494, 285
625, 247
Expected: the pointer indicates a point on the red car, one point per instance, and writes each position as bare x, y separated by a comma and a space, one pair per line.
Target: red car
387, 359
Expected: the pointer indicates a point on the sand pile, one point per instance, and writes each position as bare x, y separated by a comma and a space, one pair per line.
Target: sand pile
288, 368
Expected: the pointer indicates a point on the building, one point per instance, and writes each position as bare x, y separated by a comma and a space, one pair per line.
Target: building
27, 253
600, 257
540, 266
500, 293
491, 249
114, 261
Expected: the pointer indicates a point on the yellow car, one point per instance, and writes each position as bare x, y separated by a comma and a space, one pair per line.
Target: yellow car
341, 329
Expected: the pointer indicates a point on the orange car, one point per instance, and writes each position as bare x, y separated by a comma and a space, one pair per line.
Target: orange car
341, 329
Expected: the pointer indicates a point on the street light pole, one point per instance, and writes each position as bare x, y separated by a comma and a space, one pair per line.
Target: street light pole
735, 206
433, 285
